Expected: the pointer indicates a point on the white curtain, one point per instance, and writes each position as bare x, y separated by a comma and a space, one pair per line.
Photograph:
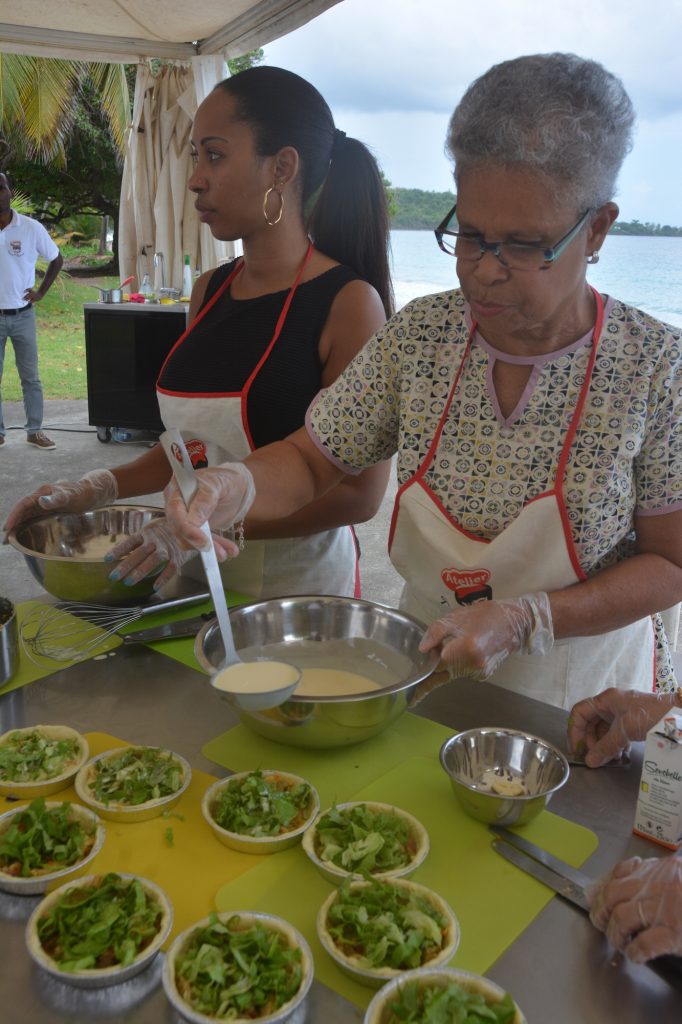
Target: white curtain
157, 212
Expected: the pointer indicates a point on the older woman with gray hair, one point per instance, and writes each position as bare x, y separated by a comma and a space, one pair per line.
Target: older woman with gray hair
537, 422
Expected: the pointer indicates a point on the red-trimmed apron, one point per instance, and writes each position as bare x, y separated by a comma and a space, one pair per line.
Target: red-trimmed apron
443, 565
215, 427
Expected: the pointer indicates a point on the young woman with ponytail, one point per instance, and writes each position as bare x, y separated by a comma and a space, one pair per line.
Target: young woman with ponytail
269, 330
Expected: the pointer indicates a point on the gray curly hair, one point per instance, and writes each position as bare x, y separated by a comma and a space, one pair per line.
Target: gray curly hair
559, 115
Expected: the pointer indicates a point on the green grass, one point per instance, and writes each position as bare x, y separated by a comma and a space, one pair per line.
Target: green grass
61, 340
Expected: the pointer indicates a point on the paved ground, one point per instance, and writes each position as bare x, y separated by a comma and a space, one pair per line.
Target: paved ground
23, 467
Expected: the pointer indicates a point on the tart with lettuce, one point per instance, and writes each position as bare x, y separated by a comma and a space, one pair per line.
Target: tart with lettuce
238, 967
133, 783
40, 760
46, 842
362, 838
434, 995
100, 930
375, 929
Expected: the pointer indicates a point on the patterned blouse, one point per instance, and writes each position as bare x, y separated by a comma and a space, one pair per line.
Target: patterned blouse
626, 457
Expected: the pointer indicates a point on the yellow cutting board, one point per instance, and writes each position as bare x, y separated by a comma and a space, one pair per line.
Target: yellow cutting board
493, 900
187, 862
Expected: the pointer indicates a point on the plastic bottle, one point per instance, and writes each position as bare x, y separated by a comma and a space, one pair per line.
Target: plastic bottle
146, 287
187, 280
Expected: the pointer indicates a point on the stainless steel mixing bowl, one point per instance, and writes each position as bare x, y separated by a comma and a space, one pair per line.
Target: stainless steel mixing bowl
475, 760
65, 552
327, 632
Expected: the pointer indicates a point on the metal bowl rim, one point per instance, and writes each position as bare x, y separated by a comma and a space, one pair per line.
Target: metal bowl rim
70, 559
329, 698
482, 731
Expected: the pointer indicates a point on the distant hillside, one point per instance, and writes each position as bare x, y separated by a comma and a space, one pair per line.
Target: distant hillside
416, 210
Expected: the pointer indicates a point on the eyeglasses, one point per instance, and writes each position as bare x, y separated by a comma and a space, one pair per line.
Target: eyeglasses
513, 255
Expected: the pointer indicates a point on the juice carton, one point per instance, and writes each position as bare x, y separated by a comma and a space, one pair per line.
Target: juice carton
659, 805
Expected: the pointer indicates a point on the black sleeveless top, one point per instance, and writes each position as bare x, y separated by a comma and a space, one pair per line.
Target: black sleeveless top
220, 353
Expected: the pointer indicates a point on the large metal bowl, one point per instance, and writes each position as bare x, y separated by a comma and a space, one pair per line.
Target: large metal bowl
327, 632
65, 552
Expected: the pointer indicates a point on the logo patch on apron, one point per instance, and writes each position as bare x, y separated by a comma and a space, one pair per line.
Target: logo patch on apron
468, 585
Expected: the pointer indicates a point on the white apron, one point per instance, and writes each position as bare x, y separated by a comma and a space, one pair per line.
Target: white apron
444, 565
215, 429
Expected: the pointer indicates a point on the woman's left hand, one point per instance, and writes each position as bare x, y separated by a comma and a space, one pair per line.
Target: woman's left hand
639, 907
155, 545
475, 639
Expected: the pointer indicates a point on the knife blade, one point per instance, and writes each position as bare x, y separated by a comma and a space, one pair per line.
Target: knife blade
169, 630
542, 856
563, 886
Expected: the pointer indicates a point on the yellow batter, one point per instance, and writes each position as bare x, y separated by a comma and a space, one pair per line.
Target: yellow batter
332, 682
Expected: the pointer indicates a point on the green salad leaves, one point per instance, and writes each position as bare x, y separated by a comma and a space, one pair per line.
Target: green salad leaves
360, 839
385, 925
418, 1003
41, 839
257, 805
136, 775
237, 970
101, 925
33, 757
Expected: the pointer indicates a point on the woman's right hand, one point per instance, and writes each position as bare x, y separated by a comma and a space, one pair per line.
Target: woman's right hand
604, 726
223, 496
94, 490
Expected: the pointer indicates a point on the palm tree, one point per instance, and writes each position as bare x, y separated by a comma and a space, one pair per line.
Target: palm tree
38, 98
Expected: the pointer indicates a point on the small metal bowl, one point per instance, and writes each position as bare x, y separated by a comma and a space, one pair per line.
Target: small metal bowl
475, 759
128, 813
257, 844
434, 977
375, 977
32, 885
337, 875
248, 919
48, 786
97, 977
65, 552
327, 632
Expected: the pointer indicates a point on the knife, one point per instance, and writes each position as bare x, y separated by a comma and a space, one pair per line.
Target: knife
569, 883
170, 630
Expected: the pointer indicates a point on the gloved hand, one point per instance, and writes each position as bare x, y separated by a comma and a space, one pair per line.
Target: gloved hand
475, 639
639, 907
605, 725
223, 496
95, 489
155, 544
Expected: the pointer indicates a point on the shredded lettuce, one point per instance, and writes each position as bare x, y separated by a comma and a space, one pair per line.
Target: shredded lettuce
385, 925
360, 839
40, 840
104, 924
235, 970
256, 805
33, 757
136, 775
420, 1003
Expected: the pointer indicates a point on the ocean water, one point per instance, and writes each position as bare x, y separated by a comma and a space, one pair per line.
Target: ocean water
643, 271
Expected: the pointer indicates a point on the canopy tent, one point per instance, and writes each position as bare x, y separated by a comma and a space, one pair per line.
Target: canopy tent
157, 213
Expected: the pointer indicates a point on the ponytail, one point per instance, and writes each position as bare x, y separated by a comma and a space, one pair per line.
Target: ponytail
349, 221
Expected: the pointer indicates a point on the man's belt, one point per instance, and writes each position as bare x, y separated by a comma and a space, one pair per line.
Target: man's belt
13, 312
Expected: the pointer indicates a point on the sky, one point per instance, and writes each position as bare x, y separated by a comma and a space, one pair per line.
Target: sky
392, 71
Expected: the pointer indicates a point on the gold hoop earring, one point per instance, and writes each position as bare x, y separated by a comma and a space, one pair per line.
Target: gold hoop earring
271, 223
594, 258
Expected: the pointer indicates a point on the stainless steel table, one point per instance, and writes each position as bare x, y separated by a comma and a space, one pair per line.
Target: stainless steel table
560, 970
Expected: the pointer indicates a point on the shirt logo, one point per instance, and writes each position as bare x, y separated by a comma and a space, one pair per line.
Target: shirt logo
15, 247
468, 585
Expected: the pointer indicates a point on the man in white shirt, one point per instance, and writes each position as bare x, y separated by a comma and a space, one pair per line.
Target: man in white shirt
22, 241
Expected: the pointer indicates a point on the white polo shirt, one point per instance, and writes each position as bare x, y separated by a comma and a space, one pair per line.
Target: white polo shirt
21, 243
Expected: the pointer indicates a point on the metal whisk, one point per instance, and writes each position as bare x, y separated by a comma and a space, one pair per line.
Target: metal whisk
72, 630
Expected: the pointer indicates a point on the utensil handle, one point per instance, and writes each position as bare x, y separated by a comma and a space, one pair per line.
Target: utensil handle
175, 602
183, 470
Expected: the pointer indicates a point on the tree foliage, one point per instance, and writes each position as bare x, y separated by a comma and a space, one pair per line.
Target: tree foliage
418, 210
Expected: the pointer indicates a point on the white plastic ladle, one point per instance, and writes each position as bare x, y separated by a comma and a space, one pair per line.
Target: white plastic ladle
252, 685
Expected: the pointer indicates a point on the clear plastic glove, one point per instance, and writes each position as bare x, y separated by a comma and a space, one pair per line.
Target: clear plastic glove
604, 726
94, 490
155, 545
475, 639
639, 907
223, 496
